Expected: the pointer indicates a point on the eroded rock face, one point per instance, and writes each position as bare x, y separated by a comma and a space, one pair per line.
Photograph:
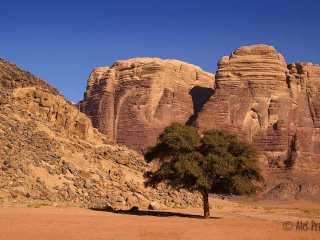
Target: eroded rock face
252, 98
270, 104
304, 87
256, 95
134, 100
55, 110
51, 154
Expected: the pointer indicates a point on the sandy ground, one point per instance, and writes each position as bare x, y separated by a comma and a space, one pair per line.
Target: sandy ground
232, 221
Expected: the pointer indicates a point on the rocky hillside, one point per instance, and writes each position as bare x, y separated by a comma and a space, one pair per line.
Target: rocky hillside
134, 100
49, 152
254, 94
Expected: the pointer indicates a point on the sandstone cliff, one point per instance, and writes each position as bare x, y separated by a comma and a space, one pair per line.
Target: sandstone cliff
50, 153
254, 94
273, 105
134, 100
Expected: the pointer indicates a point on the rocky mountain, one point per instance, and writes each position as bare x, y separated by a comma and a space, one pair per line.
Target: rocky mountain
275, 106
254, 94
50, 153
134, 100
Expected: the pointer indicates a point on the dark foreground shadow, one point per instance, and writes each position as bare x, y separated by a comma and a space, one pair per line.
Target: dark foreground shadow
136, 212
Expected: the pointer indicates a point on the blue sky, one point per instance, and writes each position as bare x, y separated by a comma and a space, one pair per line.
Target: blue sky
62, 41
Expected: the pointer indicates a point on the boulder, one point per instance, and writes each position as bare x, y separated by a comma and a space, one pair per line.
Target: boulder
154, 206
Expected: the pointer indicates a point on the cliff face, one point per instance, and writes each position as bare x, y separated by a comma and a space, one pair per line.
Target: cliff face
304, 88
254, 94
268, 103
273, 105
134, 100
252, 99
49, 152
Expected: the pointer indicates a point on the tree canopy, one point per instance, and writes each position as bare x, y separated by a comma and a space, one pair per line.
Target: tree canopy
215, 162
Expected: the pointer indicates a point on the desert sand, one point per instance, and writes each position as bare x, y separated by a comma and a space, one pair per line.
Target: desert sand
231, 220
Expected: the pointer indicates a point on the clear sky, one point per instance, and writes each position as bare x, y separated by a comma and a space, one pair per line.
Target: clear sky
62, 41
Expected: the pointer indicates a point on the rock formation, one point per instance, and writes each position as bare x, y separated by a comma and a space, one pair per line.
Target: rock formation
271, 104
50, 151
256, 95
134, 100
51, 154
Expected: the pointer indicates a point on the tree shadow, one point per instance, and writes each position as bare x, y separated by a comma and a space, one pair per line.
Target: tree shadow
136, 212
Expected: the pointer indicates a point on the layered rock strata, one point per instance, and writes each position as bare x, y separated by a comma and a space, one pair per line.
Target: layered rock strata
271, 104
134, 100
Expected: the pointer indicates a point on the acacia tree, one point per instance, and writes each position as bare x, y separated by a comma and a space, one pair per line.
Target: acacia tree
215, 162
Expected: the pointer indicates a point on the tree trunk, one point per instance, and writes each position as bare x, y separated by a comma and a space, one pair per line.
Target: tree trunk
205, 199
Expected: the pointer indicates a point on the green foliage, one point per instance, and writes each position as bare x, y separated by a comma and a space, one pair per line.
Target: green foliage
175, 140
216, 162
